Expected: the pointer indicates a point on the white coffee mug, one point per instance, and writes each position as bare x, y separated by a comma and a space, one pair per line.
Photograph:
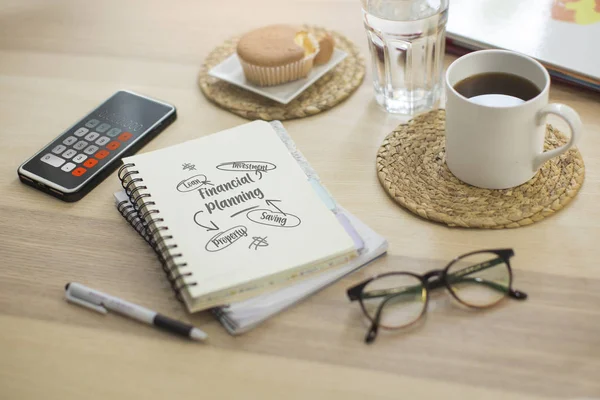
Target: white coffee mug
498, 147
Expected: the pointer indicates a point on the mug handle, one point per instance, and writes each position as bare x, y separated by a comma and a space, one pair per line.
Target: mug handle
572, 119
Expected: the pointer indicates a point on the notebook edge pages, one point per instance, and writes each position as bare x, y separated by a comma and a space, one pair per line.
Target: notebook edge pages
234, 327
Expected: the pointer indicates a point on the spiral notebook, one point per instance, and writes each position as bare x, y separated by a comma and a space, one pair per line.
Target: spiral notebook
233, 215
245, 315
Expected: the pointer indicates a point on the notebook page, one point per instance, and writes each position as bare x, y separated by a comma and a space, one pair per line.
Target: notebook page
239, 207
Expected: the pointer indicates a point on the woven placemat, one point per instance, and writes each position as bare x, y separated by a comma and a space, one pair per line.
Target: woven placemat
331, 89
411, 165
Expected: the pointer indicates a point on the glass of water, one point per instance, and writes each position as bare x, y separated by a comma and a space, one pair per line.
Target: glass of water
407, 42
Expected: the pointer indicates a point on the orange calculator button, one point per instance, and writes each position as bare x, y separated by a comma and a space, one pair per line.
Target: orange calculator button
101, 154
79, 171
125, 136
113, 145
90, 162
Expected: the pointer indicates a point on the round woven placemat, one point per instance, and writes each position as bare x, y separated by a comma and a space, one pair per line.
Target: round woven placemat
325, 93
411, 165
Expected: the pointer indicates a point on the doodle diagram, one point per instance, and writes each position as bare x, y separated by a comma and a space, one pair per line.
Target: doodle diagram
240, 194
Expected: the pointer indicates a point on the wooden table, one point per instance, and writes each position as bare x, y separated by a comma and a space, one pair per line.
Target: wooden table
59, 59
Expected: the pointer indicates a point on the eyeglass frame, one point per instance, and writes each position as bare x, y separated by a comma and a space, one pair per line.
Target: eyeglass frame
355, 292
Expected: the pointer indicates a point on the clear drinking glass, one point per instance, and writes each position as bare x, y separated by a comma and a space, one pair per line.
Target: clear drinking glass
407, 42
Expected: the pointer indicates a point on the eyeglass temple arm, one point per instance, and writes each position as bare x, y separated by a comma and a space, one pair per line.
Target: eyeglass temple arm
515, 294
372, 333
355, 292
373, 294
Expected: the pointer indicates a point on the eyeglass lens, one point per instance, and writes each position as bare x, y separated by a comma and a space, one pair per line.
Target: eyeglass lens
398, 298
479, 280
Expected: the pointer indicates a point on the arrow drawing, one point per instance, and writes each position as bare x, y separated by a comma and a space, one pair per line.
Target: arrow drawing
270, 203
214, 226
243, 211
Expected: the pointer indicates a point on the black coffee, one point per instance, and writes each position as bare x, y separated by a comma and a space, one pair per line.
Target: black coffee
497, 83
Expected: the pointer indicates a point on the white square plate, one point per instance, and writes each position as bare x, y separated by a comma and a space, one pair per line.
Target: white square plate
231, 71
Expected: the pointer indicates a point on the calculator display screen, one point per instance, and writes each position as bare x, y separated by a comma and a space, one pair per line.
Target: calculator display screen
97, 140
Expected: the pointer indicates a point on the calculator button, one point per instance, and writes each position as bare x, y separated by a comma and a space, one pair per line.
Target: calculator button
113, 145
81, 131
92, 123
92, 136
102, 141
101, 154
90, 162
68, 167
80, 145
69, 153
102, 128
79, 171
70, 140
125, 136
58, 149
113, 132
79, 158
53, 160
91, 149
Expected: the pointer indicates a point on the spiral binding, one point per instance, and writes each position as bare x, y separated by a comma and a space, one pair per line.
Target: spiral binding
145, 221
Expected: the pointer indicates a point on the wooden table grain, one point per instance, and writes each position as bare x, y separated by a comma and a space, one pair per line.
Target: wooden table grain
59, 59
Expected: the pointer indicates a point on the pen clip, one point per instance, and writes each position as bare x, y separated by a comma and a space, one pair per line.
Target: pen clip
83, 303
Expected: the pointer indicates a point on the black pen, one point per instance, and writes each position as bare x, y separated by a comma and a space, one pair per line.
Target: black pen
100, 302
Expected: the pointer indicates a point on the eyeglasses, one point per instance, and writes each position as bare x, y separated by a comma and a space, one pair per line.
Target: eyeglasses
395, 300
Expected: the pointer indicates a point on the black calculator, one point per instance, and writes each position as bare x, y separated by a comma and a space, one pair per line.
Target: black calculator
86, 153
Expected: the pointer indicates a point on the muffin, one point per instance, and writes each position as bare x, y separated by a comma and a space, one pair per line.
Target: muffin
276, 54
